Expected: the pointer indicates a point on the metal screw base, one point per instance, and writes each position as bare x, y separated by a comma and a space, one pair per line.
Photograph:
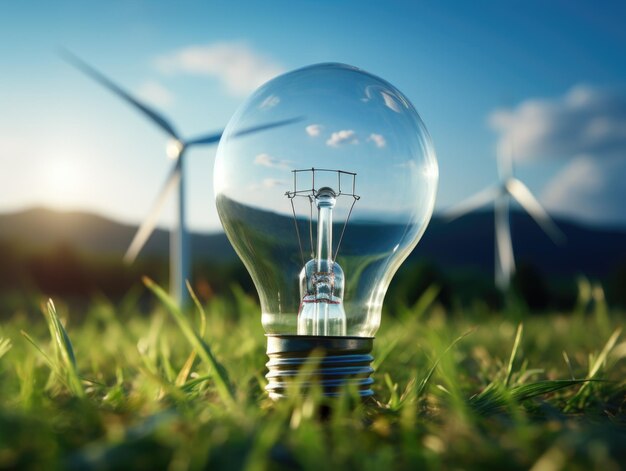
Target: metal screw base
338, 361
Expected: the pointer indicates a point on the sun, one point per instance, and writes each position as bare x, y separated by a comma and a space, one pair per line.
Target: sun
64, 182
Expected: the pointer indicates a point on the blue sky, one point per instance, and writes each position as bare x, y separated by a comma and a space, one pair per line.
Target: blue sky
550, 76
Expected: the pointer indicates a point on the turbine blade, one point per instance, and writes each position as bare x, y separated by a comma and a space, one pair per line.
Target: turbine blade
473, 202
505, 259
263, 127
215, 137
207, 139
525, 198
147, 226
147, 111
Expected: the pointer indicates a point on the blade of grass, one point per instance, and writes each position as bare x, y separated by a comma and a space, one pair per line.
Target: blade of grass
165, 355
595, 366
384, 353
53, 365
495, 398
394, 397
25, 371
5, 346
523, 378
198, 304
415, 391
538, 388
220, 376
569, 364
186, 369
164, 385
184, 372
192, 383
64, 347
601, 359
421, 389
40, 350
426, 300
509, 369
60, 335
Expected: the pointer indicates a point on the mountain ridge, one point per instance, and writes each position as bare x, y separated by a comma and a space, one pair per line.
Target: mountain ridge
465, 243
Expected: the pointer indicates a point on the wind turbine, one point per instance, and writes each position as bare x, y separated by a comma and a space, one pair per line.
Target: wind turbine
501, 194
176, 148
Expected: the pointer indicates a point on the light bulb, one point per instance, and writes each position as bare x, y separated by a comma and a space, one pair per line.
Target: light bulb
323, 211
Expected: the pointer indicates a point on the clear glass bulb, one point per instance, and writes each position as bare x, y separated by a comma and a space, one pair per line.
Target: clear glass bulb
323, 210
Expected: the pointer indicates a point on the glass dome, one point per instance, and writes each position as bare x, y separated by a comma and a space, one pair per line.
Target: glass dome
323, 207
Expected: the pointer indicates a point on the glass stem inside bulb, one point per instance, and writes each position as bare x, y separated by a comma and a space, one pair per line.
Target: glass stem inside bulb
322, 280
324, 284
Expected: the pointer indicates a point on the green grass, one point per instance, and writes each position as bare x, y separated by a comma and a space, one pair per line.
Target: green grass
468, 389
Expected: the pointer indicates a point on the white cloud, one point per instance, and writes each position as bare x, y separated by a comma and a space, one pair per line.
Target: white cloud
410, 164
429, 171
314, 130
575, 182
390, 102
587, 127
345, 136
585, 121
378, 140
589, 187
235, 64
267, 183
266, 160
272, 182
155, 94
270, 102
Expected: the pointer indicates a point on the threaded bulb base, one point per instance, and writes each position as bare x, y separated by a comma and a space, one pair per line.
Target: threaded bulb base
302, 362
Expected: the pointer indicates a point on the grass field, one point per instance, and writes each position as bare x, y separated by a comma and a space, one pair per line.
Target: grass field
461, 389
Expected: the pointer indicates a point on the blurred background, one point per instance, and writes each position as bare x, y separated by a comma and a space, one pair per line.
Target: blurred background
80, 168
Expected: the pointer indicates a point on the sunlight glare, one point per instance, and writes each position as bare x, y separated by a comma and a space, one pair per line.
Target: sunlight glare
64, 181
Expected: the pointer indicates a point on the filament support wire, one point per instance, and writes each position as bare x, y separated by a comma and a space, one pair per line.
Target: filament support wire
311, 193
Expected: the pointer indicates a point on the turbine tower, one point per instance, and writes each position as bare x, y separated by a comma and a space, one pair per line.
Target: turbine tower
501, 194
176, 148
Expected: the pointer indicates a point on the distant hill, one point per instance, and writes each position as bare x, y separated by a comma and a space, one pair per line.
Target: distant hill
466, 243
41, 228
469, 242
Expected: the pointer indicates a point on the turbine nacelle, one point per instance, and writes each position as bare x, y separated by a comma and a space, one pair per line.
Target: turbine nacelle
174, 148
